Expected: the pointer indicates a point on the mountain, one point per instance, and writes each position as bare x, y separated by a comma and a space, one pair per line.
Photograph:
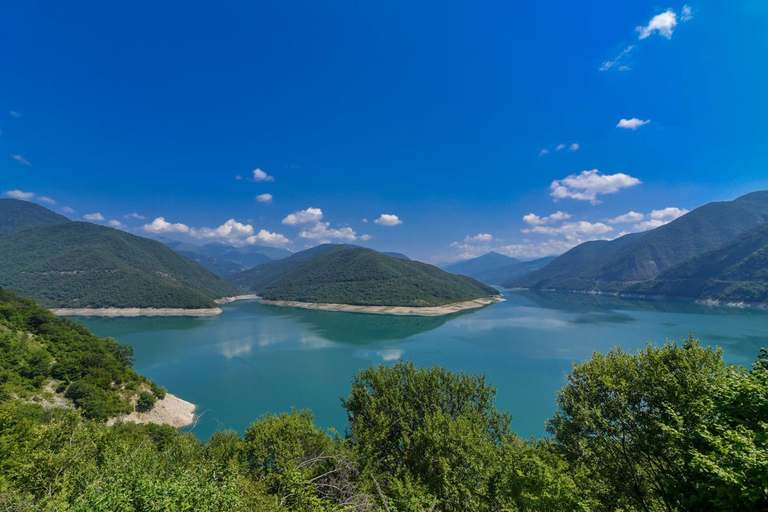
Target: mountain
16, 214
736, 271
396, 255
223, 259
481, 265
78, 264
343, 274
617, 265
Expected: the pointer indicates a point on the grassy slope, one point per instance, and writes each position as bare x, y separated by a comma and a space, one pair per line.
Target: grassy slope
77, 264
353, 275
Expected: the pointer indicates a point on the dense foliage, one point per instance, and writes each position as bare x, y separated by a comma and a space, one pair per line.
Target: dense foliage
41, 354
666, 428
82, 265
618, 265
340, 274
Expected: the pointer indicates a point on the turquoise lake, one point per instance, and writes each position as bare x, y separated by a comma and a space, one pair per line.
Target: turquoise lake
253, 358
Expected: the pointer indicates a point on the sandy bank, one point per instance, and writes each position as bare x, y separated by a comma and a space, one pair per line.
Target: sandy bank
227, 300
171, 410
391, 310
135, 312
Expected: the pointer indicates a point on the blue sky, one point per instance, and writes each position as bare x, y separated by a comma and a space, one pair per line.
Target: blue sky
435, 114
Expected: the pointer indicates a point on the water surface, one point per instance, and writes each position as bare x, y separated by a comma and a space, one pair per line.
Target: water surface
253, 358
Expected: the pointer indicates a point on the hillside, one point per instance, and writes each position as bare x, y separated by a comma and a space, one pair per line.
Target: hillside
342, 274
481, 265
736, 271
44, 356
622, 263
83, 265
16, 214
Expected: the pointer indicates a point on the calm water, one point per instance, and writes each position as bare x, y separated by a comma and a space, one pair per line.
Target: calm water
252, 358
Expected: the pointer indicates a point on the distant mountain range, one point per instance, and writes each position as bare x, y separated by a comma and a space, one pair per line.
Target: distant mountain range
223, 259
62, 263
496, 269
713, 252
342, 274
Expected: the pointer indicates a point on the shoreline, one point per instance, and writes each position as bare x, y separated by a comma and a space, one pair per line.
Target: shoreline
171, 410
228, 300
133, 312
649, 297
446, 309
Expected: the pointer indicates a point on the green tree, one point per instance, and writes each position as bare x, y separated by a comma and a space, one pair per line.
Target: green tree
668, 428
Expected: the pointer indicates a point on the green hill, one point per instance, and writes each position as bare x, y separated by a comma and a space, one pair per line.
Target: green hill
620, 264
16, 214
42, 355
354, 275
736, 271
78, 264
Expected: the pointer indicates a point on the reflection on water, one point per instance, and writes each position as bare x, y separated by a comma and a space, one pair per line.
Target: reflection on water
359, 328
253, 358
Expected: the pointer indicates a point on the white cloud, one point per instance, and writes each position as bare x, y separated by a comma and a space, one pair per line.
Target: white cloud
259, 175
478, 238
365, 237
668, 214
663, 24
560, 147
45, 199
314, 229
232, 231
537, 250
535, 220
573, 147
21, 159
365, 221
627, 218
587, 185
322, 232
572, 230
686, 14
94, 217
264, 198
658, 218
310, 215
67, 209
19, 194
116, 224
133, 215
618, 62
543, 152
160, 225
15, 114
267, 238
632, 124
387, 219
